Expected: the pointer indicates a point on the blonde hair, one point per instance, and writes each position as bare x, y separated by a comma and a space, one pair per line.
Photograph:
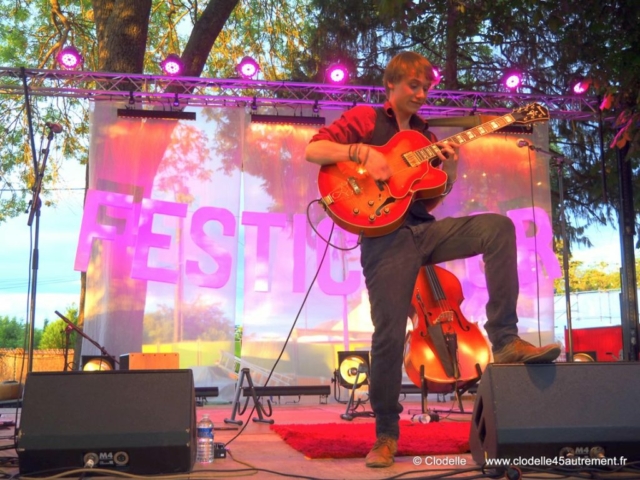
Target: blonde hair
403, 64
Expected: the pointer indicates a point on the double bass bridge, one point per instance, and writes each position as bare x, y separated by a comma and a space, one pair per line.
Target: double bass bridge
444, 317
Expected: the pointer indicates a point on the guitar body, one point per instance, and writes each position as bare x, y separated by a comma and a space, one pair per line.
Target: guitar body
355, 202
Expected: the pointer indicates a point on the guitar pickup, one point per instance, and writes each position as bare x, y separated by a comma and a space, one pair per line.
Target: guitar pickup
354, 185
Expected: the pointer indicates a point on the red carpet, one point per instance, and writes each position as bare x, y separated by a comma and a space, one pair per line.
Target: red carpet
353, 440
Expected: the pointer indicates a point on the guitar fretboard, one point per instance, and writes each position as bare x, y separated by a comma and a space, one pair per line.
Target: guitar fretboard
429, 153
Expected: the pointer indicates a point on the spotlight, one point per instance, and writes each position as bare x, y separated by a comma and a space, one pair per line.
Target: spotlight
353, 367
132, 101
437, 76
584, 356
96, 363
512, 80
172, 65
69, 58
337, 73
176, 101
248, 67
581, 86
316, 109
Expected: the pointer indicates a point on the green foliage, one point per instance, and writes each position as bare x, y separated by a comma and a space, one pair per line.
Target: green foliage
13, 333
584, 278
195, 320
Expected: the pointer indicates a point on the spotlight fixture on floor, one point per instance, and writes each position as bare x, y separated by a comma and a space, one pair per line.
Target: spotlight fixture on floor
584, 356
353, 373
97, 363
353, 368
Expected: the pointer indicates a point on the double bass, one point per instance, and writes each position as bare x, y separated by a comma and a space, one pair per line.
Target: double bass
449, 348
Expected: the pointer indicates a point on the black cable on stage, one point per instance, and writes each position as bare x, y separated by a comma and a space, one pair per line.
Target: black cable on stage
295, 320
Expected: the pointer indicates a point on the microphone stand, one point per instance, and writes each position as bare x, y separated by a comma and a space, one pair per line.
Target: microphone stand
67, 337
34, 212
560, 161
103, 351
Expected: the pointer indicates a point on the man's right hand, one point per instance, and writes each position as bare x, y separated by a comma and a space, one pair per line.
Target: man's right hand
376, 164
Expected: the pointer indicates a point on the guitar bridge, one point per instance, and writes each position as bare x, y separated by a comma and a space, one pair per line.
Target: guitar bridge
354, 185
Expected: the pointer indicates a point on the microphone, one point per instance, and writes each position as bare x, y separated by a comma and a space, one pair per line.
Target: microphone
54, 127
521, 142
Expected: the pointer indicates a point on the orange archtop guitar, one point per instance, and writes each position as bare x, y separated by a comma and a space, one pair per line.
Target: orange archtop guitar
360, 205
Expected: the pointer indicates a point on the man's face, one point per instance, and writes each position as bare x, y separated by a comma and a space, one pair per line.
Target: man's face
410, 93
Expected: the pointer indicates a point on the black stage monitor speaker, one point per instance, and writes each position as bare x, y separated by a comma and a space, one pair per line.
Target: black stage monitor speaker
557, 410
139, 422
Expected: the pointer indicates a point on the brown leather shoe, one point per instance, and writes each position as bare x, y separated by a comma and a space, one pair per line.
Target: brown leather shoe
519, 351
381, 455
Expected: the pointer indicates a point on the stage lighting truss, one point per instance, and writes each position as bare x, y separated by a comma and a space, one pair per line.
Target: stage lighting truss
353, 368
97, 363
203, 92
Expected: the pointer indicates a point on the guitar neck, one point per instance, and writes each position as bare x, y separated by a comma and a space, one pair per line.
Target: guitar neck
428, 153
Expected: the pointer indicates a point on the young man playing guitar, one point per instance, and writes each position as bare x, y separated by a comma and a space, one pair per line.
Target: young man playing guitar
391, 261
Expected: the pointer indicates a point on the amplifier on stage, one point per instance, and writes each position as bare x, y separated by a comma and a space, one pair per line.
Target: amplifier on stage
149, 361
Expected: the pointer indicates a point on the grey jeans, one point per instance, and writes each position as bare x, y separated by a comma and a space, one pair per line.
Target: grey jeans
391, 264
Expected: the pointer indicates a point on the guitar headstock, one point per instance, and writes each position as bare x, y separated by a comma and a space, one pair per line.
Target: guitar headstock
531, 113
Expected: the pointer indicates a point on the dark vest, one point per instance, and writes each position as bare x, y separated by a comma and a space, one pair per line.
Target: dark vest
386, 127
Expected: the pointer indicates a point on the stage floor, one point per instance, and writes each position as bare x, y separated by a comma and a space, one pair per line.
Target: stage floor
258, 452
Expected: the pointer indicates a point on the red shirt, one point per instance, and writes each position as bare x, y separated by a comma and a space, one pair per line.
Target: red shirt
356, 125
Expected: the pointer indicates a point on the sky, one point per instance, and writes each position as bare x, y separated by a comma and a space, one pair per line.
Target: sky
58, 284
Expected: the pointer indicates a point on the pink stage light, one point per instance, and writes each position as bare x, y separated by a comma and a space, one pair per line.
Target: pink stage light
337, 73
248, 67
512, 80
437, 76
581, 86
69, 58
172, 65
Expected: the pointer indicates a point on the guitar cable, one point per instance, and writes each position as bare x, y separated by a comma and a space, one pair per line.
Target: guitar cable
343, 249
295, 321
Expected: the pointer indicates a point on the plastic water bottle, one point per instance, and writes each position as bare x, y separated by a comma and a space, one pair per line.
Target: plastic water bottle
205, 440
425, 418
